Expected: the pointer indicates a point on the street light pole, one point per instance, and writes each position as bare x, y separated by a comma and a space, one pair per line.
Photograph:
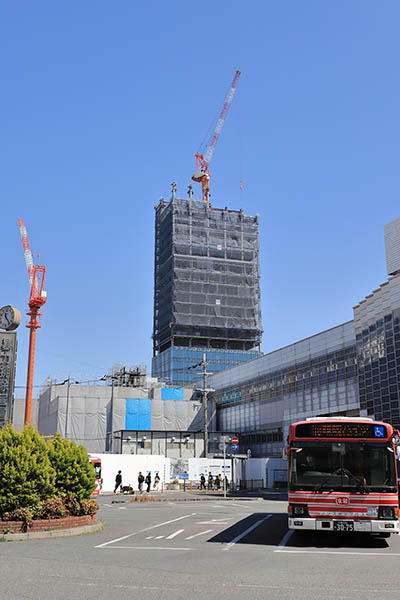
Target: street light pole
226, 439
67, 409
224, 467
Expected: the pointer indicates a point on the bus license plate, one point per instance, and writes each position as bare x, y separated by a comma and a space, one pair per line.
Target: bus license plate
343, 525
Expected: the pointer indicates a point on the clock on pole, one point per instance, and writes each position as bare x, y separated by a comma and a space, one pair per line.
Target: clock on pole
10, 318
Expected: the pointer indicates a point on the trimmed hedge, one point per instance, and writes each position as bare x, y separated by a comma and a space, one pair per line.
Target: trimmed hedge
39, 479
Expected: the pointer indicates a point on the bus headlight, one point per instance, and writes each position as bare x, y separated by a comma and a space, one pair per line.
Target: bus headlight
386, 512
299, 510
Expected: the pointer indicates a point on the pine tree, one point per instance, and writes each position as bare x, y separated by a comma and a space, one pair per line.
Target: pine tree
74, 473
26, 474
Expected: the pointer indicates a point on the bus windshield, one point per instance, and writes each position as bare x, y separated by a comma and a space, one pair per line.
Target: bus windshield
97, 469
342, 466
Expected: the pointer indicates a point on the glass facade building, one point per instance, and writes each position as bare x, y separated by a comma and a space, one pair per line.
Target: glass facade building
377, 326
316, 376
349, 370
174, 364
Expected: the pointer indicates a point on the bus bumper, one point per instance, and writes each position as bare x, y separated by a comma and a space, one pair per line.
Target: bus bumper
375, 526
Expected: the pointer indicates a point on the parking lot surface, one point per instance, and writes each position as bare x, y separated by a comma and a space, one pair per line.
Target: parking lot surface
191, 549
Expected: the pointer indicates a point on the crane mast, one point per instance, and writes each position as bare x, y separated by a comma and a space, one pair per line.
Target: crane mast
37, 297
202, 174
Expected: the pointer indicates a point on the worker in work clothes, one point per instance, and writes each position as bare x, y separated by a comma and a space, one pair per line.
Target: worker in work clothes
118, 481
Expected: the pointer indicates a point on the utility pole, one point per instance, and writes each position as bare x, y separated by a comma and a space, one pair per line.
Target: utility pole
204, 367
68, 381
203, 364
110, 432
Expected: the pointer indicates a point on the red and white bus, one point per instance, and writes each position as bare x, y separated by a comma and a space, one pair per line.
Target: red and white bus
343, 476
96, 462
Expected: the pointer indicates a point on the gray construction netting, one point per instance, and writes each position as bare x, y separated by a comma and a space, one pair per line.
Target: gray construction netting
207, 263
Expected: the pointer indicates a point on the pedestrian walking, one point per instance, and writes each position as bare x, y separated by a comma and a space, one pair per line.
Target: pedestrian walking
202, 482
140, 482
118, 481
156, 482
216, 483
226, 483
210, 481
148, 481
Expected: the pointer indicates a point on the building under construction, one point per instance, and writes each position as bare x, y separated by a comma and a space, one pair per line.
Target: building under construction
206, 289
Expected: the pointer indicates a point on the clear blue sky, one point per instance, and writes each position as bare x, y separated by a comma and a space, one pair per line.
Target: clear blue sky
103, 104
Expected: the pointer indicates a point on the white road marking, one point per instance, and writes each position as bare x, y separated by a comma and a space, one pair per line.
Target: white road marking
214, 522
171, 537
144, 548
109, 505
244, 533
121, 507
197, 534
150, 537
143, 530
386, 554
286, 537
159, 537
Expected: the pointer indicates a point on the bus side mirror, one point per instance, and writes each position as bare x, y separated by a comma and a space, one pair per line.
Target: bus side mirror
398, 452
284, 453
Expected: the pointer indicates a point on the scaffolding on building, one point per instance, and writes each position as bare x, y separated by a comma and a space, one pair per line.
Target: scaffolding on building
207, 277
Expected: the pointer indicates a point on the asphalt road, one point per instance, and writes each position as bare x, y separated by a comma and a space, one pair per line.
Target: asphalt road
190, 550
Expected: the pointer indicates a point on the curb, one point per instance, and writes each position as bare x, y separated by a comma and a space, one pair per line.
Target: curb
43, 535
197, 499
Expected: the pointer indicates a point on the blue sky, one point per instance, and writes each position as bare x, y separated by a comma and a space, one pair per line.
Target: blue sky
103, 104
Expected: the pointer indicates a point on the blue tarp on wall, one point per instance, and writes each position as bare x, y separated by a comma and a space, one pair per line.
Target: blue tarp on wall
171, 393
138, 413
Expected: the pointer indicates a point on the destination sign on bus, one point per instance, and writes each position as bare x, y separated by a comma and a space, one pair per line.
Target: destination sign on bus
340, 430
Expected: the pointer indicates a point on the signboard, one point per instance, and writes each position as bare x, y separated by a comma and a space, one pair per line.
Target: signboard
340, 430
8, 351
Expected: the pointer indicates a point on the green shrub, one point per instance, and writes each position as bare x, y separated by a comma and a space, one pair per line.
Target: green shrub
89, 507
74, 472
72, 505
26, 474
20, 514
53, 508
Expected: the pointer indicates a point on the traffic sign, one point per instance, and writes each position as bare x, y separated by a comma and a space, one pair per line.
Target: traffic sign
235, 440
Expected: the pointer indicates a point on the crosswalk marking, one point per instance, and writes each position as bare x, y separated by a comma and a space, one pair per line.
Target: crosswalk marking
159, 537
150, 537
197, 534
171, 537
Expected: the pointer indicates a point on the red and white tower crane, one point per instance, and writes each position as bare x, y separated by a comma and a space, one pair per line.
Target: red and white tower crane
36, 300
202, 173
